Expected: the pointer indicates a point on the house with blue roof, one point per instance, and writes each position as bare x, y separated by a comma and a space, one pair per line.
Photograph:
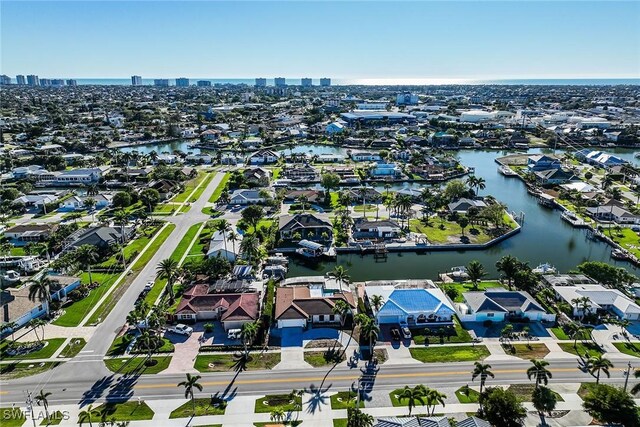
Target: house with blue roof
413, 306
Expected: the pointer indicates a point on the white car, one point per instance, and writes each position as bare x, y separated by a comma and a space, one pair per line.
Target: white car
148, 286
181, 329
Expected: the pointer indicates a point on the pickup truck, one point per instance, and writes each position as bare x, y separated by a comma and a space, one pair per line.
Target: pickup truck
180, 329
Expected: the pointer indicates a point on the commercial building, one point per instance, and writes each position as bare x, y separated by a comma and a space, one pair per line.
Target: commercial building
45, 82
406, 99
136, 80
5, 80
20, 80
33, 80
280, 82
325, 82
182, 82
306, 82
203, 83
161, 82
261, 82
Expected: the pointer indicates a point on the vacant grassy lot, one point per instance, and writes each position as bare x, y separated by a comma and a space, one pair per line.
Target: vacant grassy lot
270, 402
226, 362
344, 399
138, 365
127, 411
20, 370
202, 407
524, 392
527, 352
630, 348
465, 353
44, 353
581, 348
443, 232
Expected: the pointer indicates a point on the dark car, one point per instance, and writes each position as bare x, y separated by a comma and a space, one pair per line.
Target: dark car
395, 334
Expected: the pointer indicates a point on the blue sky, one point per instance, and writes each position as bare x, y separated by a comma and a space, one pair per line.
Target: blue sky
452, 39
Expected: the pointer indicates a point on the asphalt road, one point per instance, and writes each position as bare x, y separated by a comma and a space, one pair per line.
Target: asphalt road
83, 390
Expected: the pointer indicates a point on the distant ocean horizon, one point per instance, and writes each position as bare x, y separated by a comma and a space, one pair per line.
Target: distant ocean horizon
382, 82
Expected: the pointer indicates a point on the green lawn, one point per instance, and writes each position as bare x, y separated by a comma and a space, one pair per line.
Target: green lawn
465, 353
44, 353
74, 313
457, 334
344, 399
20, 370
185, 242
524, 392
119, 345
365, 208
323, 358
196, 194
165, 208
137, 365
218, 191
527, 352
340, 422
628, 239
17, 251
225, 362
473, 397
189, 186
396, 401
452, 233
127, 411
268, 403
73, 348
203, 408
146, 256
468, 287
560, 333
581, 348
54, 419
12, 417
630, 348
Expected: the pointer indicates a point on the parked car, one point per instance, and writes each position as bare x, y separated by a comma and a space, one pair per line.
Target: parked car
406, 333
148, 286
181, 329
395, 334
234, 334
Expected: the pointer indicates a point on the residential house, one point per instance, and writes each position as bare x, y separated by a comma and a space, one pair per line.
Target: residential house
363, 156
300, 173
540, 162
233, 310
390, 170
313, 196
219, 247
435, 421
411, 306
101, 237
251, 196
463, 205
334, 128
20, 235
199, 159
613, 213
75, 203
369, 194
256, 177
77, 177
499, 305
36, 200
306, 226
263, 157
555, 176
165, 188
599, 158
330, 158
382, 229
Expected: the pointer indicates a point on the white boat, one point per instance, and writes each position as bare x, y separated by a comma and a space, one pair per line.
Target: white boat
619, 254
278, 259
506, 170
459, 273
545, 268
569, 216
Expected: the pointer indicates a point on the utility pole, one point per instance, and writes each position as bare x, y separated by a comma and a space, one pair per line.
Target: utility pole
627, 374
30, 407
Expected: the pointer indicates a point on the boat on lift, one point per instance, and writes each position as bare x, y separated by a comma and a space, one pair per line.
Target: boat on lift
545, 268
506, 170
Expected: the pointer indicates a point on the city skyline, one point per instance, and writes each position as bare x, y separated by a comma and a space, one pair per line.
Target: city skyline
430, 40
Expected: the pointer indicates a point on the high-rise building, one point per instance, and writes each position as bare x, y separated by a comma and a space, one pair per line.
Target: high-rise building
5, 80
261, 82
325, 82
33, 80
306, 82
203, 83
45, 82
20, 80
280, 82
182, 82
136, 80
57, 82
406, 98
72, 82
161, 82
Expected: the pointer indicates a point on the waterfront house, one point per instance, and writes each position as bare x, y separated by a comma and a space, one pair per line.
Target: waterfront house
463, 205
499, 305
78, 177
313, 196
385, 170
36, 200
75, 203
555, 176
312, 227
413, 306
300, 173
334, 128
101, 237
263, 157
369, 194
383, 229
199, 159
250, 196
540, 162
228, 250
363, 156
615, 213
599, 158
20, 235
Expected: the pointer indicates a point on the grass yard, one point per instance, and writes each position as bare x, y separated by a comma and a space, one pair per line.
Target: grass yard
203, 407
340, 422
524, 392
74, 347
628, 239
20, 370
12, 417
185, 242
452, 233
268, 403
396, 401
323, 358
586, 388
473, 396
581, 348
146, 256
527, 352
457, 334
205, 183
344, 399
46, 352
137, 365
189, 186
560, 333
630, 348
468, 287
74, 313
465, 353
225, 362
218, 191
127, 411
166, 208
365, 208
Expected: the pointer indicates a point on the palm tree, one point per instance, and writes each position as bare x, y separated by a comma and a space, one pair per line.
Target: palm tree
168, 269
40, 290
340, 274
597, 364
482, 370
10, 325
476, 272
43, 399
86, 255
122, 219
189, 384
233, 236
362, 191
480, 185
133, 319
248, 334
583, 304
343, 309
370, 330
433, 398
539, 371
85, 416
636, 388
412, 396
90, 203
377, 301
250, 247
224, 227
357, 418
508, 265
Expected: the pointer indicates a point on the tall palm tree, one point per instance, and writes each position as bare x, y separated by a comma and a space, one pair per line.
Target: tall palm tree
86, 255
362, 192
87, 414
133, 319
370, 330
277, 415
248, 334
583, 304
597, 364
233, 236
476, 272
343, 309
480, 185
40, 290
224, 227
377, 301
168, 269
89, 203
340, 274
122, 219
250, 247
12, 326
636, 388
43, 399
508, 265
189, 385
433, 398
539, 372
482, 370
413, 396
